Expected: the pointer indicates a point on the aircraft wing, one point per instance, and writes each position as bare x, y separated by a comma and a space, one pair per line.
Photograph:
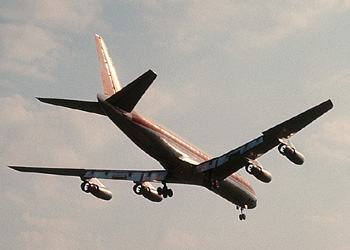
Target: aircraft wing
138, 176
282, 132
290, 127
232, 161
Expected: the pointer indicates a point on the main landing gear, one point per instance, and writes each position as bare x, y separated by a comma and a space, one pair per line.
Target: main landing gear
165, 191
241, 216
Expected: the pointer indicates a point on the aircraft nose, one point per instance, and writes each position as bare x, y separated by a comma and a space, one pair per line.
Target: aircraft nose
252, 202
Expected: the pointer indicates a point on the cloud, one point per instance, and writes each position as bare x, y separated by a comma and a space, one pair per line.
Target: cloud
180, 240
35, 134
75, 17
332, 141
280, 21
60, 225
34, 37
242, 24
45, 240
334, 219
334, 82
29, 50
53, 136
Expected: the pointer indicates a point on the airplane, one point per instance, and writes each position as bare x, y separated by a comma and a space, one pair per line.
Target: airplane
183, 163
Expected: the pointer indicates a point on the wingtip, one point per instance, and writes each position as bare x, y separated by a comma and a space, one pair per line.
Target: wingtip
153, 72
41, 99
17, 168
330, 103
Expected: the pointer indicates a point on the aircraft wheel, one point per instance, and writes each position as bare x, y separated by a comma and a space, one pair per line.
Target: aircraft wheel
249, 168
282, 148
137, 189
85, 186
165, 192
242, 216
160, 191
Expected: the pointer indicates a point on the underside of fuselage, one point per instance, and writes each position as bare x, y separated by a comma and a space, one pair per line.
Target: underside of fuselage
233, 188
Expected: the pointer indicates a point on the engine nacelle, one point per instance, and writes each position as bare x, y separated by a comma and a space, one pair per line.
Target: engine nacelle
148, 191
96, 190
259, 173
291, 153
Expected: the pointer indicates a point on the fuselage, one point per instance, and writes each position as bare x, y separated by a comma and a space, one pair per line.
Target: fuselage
176, 156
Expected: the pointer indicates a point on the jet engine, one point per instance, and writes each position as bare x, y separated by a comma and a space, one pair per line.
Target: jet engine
96, 190
148, 191
291, 153
259, 173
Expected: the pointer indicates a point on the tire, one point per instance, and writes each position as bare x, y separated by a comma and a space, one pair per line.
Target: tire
85, 186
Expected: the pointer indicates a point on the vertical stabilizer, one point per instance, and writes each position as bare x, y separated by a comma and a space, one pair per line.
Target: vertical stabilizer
109, 76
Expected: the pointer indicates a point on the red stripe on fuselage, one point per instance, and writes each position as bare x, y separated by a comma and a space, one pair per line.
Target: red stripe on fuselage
141, 121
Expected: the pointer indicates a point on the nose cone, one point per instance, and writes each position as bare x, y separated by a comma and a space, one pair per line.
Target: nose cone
252, 202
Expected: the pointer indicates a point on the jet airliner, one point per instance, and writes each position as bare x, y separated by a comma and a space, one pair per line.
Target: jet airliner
183, 163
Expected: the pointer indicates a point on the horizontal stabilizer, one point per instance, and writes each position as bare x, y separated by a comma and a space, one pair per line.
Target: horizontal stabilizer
290, 127
87, 106
127, 98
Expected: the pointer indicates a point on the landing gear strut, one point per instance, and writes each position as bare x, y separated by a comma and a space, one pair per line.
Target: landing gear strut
241, 216
165, 191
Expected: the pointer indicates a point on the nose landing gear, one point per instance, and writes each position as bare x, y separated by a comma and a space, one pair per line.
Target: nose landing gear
241, 216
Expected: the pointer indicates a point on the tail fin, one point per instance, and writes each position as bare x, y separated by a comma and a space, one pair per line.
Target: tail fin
109, 76
125, 99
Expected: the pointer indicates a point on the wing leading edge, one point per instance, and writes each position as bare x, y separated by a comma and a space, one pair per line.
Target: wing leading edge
247, 154
290, 127
138, 176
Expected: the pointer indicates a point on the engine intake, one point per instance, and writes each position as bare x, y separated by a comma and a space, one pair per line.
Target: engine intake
148, 191
291, 153
96, 190
259, 173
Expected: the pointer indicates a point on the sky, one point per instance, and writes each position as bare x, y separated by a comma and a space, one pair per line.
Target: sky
227, 70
